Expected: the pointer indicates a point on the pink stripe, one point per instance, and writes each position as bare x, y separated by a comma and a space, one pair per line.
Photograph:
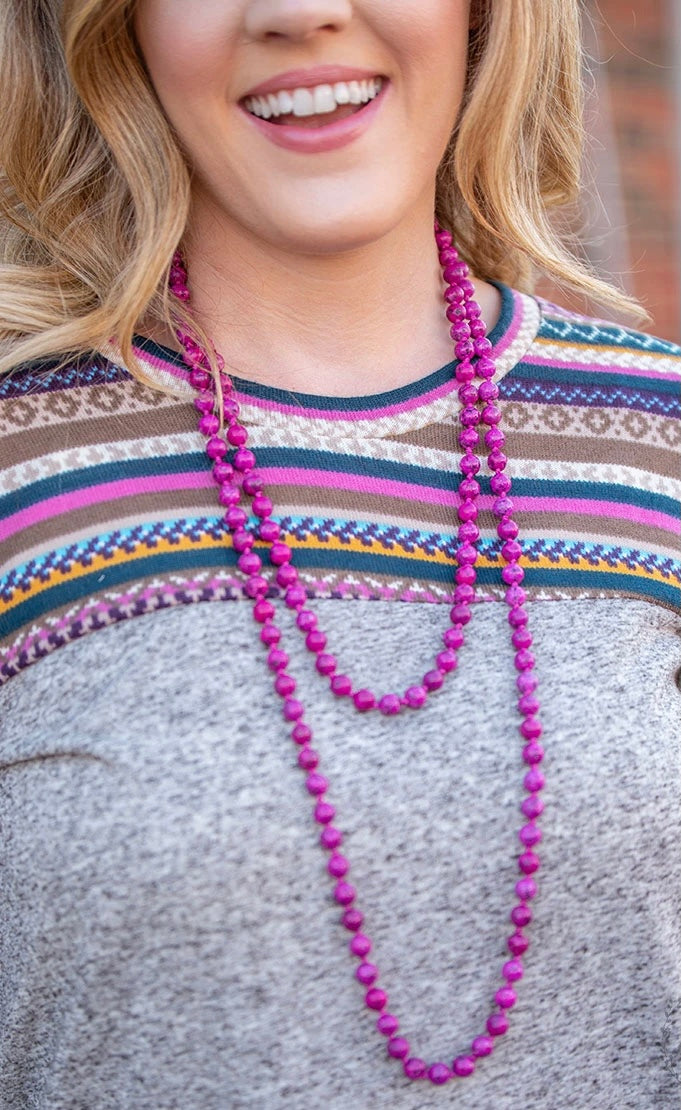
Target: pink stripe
110, 491
614, 509
571, 364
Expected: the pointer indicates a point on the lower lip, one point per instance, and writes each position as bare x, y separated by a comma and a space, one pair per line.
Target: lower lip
315, 140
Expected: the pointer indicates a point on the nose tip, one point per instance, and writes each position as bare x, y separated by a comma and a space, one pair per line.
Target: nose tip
295, 19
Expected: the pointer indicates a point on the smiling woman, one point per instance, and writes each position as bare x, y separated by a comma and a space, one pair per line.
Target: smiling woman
261, 347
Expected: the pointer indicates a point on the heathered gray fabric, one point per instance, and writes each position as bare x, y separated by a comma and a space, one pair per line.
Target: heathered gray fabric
167, 936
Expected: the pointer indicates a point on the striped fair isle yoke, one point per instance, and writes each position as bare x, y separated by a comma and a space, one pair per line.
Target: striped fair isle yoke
108, 510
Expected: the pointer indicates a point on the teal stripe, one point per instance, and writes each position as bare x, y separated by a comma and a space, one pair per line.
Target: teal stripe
575, 376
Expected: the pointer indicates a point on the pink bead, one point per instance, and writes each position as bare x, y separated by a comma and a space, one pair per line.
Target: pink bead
497, 1024
243, 460
416, 696
376, 999
306, 620
269, 531
531, 728
341, 685
464, 595
315, 640
530, 835
325, 664
534, 780
398, 1047
533, 752
366, 974
505, 997
446, 661
526, 889
486, 368
433, 680
241, 539
502, 506
249, 563
295, 596
528, 705
199, 378
338, 866
287, 575
301, 733
532, 806
414, 1068
235, 518
352, 920
514, 596
507, 529
229, 495
463, 1065
262, 506
469, 437
253, 481
453, 638
209, 424
344, 893
511, 551
512, 574
521, 916
293, 709
222, 471
494, 438
280, 553
460, 614
276, 660
491, 415
528, 863
237, 435
482, 1046
263, 611
468, 487
513, 970
387, 1024
524, 660
517, 944
308, 759
256, 585
439, 1074
466, 511
360, 945
216, 448
488, 391
390, 704
316, 784
330, 837
270, 634
364, 700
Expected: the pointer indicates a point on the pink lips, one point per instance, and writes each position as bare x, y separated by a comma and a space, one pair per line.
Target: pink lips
316, 140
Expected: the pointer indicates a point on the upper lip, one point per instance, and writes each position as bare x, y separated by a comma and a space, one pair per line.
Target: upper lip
307, 78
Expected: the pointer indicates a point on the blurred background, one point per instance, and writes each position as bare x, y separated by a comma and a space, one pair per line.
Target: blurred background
630, 220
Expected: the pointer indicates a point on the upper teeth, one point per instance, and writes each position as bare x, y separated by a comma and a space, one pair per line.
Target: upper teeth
314, 101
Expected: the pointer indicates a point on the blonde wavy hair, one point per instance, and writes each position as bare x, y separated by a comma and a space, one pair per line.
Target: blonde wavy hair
95, 192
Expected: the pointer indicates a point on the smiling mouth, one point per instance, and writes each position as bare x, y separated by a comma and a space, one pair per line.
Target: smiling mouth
314, 107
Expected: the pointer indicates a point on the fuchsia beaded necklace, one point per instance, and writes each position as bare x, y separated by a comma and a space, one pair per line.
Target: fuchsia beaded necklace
239, 479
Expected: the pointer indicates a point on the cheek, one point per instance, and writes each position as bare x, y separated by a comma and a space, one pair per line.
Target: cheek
186, 45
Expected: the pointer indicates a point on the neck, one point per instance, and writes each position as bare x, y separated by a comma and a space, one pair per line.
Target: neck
356, 322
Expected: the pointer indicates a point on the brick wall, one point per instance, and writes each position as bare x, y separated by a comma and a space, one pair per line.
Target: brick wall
633, 117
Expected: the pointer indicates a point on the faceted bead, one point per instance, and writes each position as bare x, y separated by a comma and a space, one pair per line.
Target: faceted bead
390, 704
216, 448
511, 551
295, 596
469, 487
269, 531
222, 471
306, 620
325, 664
364, 700
524, 660
528, 863
497, 1024
460, 614
528, 704
531, 728
252, 482
256, 586
376, 999
463, 1065
360, 946
521, 916
518, 617
344, 893
209, 424
453, 638
514, 596
237, 435
416, 696
467, 510
352, 920
276, 660
387, 1024
301, 733
517, 944
464, 594
521, 638
316, 784
244, 460
446, 661
439, 1074
506, 998
512, 574
512, 970
338, 865
280, 553
526, 889
532, 806
341, 685
308, 759
315, 641
398, 1047
530, 835
263, 611
293, 709
249, 563
433, 680
229, 495
287, 575
241, 539
502, 506
270, 634
415, 1068
534, 780
507, 529
262, 506
482, 1046
235, 518
366, 974
330, 837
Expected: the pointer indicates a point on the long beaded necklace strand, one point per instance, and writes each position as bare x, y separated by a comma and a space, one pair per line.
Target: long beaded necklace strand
239, 477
